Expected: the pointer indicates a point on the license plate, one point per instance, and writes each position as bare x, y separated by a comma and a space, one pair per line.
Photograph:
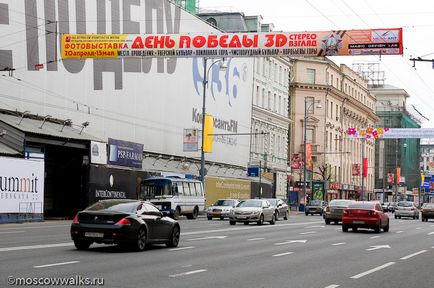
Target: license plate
358, 222
94, 234
242, 217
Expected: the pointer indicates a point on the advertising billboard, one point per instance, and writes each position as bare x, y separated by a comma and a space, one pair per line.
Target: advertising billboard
390, 133
223, 188
283, 44
147, 101
125, 153
21, 186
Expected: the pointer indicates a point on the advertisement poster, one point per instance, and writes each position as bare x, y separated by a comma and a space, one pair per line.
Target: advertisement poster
21, 186
390, 133
307, 44
309, 162
125, 153
317, 190
191, 140
355, 170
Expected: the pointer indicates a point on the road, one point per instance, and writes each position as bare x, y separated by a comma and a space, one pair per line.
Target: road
300, 252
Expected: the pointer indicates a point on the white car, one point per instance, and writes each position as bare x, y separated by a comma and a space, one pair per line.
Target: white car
221, 208
406, 209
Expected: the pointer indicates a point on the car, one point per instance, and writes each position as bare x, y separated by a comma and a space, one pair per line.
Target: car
253, 210
333, 211
315, 207
128, 223
406, 209
392, 206
427, 211
221, 208
280, 208
365, 214
385, 206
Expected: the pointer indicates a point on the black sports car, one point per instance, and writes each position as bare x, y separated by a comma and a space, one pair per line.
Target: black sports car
128, 223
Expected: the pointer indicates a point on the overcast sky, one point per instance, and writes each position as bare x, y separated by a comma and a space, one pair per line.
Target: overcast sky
416, 17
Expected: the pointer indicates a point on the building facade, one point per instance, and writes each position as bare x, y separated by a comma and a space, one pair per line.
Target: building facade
337, 99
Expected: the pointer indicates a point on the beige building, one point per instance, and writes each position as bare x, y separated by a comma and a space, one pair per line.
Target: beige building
345, 102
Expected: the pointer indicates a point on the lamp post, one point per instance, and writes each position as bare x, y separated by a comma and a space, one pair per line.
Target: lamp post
204, 84
306, 109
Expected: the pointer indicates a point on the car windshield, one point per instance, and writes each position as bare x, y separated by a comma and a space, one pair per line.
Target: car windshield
250, 203
428, 206
128, 207
315, 202
405, 204
272, 201
340, 203
223, 202
361, 205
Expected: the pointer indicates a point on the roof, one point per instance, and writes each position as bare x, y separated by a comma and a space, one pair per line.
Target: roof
47, 128
6, 150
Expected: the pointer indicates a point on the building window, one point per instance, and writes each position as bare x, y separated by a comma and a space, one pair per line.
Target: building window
257, 95
310, 105
263, 98
309, 135
269, 100
275, 102
310, 76
280, 105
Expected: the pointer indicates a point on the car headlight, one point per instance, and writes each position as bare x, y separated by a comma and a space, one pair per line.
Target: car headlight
209, 209
256, 212
226, 209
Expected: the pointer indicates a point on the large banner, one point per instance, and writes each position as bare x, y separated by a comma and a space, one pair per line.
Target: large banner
308, 44
390, 133
21, 186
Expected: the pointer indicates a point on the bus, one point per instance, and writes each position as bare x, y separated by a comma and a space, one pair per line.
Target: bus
174, 196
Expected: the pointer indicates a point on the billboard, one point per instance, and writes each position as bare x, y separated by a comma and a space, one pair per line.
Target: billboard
125, 153
21, 186
307, 44
390, 133
191, 140
223, 188
147, 101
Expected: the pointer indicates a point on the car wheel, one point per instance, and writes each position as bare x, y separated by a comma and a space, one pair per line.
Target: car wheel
396, 217
232, 222
82, 244
344, 228
277, 215
222, 218
209, 218
177, 213
399, 217
327, 221
377, 228
174, 237
386, 228
414, 217
246, 223
336, 222
354, 229
261, 220
194, 214
306, 214
140, 243
286, 215
273, 219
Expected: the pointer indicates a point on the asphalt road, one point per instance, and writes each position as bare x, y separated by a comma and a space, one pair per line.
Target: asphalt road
300, 252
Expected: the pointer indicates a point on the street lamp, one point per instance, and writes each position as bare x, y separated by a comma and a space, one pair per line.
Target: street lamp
204, 83
306, 109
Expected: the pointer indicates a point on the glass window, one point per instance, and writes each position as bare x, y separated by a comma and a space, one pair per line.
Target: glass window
199, 190
186, 189
192, 189
180, 188
113, 205
309, 135
310, 76
150, 208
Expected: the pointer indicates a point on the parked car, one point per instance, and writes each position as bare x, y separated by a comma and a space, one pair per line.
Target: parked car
385, 206
333, 211
221, 208
253, 210
406, 209
364, 214
427, 211
129, 223
315, 207
280, 208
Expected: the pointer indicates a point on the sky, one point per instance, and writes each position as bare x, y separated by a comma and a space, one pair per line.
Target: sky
416, 17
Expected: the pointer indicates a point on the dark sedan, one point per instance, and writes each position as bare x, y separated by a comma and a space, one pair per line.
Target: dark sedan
334, 210
427, 211
129, 223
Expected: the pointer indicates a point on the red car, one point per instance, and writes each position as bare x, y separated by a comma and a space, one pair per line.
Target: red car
364, 214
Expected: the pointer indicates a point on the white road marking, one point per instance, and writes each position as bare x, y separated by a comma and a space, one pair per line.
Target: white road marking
188, 273
36, 227
372, 270
375, 237
377, 247
56, 264
181, 248
315, 226
35, 247
187, 266
310, 232
12, 232
290, 242
282, 254
430, 233
332, 286
412, 255
207, 238
397, 232
255, 239
418, 228
340, 243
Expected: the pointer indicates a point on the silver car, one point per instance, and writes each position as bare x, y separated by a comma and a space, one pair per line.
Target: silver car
253, 210
281, 208
406, 209
221, 208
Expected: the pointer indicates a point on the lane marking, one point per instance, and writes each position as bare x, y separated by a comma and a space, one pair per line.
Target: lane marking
35, 247
375, 237
397, 232
310, 232
430, 233
377, 247
332, 286
315, 226
282, 254
188, 273
290, 241
255, 239
181, 248
418, 228
340, 243
372, 270
207, 238
412, 255
12, 232
187, 266
56, 264
36, 227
